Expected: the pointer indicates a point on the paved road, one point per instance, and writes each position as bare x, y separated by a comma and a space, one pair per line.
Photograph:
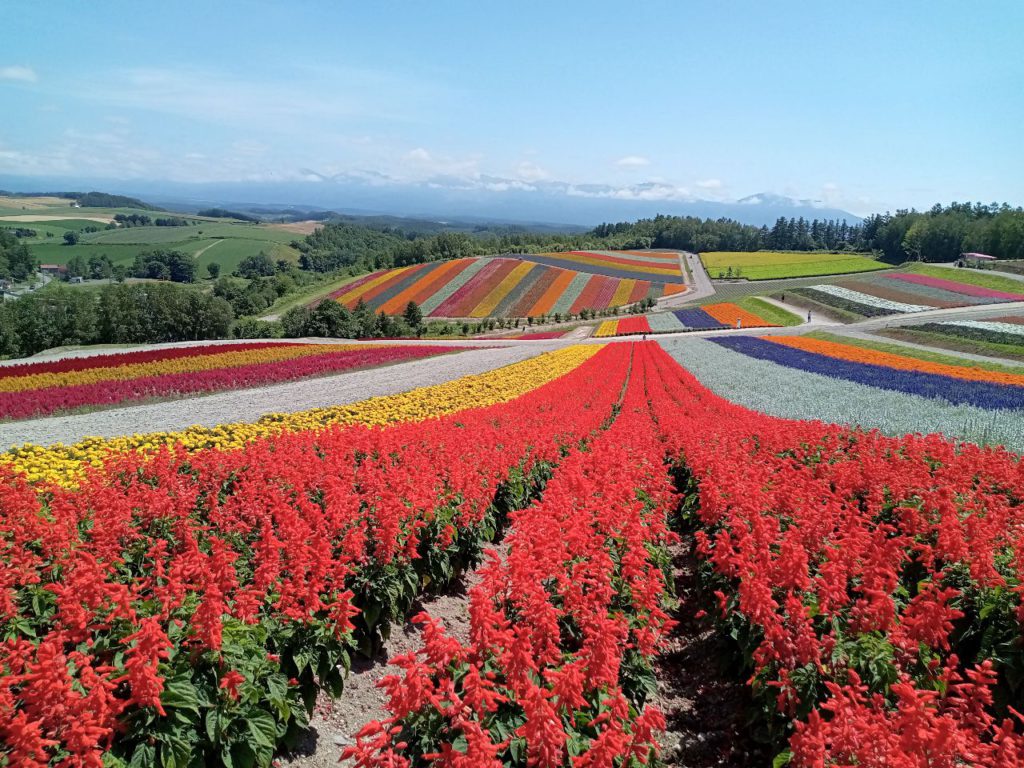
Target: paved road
701, 288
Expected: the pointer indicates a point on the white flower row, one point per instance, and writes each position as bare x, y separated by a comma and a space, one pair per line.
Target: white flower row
793, 394
989, 325
869, 300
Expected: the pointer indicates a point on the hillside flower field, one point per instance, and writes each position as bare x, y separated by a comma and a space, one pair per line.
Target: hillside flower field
181, 599
512, 287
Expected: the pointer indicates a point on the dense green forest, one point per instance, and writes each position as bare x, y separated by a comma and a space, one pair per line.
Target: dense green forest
116, 314
16, 262
359, 249
943, 233
937, 235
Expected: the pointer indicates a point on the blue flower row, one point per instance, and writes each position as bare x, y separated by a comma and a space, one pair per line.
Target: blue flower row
697, 319
957, 391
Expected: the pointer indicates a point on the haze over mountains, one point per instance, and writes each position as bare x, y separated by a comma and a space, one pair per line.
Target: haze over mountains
480, 197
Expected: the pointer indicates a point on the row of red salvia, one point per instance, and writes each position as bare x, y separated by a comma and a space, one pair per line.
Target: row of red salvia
824, 542
153, 568
563, 631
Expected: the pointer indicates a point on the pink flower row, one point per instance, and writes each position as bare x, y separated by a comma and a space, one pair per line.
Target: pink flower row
950, 285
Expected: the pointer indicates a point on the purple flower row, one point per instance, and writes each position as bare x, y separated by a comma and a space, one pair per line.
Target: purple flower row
931, 385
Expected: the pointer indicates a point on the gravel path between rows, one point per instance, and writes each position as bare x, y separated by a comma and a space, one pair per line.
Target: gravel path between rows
335, 722
250, 404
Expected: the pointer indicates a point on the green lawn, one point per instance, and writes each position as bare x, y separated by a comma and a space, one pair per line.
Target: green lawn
774, 265
769, 312
917, 354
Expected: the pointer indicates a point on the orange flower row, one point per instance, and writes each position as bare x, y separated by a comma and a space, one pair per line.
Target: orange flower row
728, 313
874, 357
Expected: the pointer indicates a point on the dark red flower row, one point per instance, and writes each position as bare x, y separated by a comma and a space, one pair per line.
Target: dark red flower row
40, 402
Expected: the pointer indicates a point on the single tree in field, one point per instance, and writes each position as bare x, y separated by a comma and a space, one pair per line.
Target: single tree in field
71, 238
413, 315
213, 269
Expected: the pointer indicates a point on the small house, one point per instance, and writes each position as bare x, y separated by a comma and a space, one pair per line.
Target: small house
56, 270
972, 259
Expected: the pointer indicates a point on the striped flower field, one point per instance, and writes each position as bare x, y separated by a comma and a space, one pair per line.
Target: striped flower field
499, 287
38, 389
958, 385
711, 317
896, 293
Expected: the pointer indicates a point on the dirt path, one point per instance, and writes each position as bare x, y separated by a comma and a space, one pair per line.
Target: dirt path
706, 706
334, 722
201, 251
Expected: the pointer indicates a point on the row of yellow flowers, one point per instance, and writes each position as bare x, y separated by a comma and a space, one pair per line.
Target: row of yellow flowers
63, 464
188, 364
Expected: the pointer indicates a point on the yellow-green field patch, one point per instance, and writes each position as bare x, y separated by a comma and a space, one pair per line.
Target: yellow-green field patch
772, 265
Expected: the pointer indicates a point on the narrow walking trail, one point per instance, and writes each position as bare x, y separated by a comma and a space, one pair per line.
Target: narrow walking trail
334, 721
706, 705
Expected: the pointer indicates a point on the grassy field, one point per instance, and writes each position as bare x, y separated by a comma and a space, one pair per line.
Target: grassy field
917, 354
768, 312
306, 295
774, 265
225, 243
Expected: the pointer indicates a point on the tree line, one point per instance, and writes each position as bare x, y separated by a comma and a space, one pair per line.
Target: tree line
16, 261
940, 234
141, 313
943, 233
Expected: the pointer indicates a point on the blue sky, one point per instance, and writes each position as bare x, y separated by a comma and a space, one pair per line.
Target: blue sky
866, 105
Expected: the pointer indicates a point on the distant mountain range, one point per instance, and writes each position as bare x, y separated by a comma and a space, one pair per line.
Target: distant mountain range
480, 198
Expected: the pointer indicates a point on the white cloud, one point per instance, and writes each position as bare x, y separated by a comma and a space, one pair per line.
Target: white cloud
632, 161
421, 164
649, 191
527, 171
710, 185
19, 73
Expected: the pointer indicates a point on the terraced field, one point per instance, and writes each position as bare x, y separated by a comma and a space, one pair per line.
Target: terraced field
497, 287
